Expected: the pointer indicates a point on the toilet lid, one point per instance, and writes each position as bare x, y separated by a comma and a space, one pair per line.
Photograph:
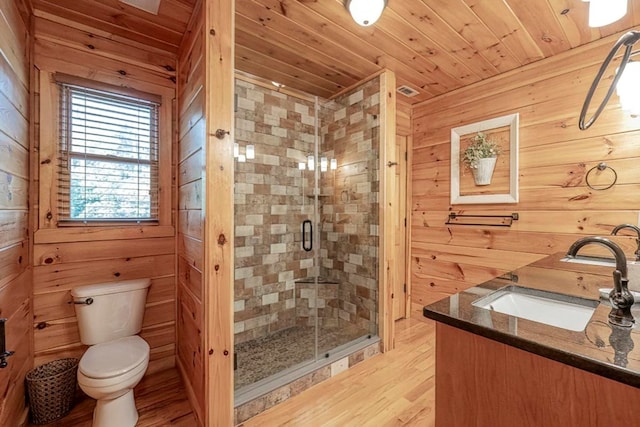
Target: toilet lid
114, 358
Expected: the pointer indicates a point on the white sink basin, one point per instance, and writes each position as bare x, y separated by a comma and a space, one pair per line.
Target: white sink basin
589, 260
561, 311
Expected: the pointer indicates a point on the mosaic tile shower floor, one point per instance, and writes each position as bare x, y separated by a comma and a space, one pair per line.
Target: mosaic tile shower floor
263, 357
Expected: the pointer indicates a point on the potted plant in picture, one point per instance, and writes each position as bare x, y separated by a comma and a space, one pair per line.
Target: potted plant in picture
481, 156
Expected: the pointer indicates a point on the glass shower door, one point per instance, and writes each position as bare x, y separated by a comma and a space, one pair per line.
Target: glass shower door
349, 213
274, 275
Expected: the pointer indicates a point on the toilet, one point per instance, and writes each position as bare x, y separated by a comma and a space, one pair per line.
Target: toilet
109, 319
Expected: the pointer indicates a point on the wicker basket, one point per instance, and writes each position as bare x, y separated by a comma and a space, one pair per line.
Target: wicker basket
52, 389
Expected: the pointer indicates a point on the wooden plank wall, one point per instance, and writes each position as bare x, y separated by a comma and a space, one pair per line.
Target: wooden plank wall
403, 119
556, 207
190, 252
219, 232
70, 256
15, 271
404, 128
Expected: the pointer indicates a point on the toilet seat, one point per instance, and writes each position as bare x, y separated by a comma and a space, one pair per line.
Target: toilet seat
114, 358
115, 384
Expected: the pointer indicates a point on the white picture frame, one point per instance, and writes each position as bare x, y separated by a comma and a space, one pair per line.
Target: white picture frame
498, 194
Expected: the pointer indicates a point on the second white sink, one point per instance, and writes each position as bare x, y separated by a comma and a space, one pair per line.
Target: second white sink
559, 310
633, 268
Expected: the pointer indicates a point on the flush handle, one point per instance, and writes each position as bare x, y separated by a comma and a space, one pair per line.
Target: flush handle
88, 301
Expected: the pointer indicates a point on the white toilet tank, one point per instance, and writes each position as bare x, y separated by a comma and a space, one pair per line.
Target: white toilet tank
116, 309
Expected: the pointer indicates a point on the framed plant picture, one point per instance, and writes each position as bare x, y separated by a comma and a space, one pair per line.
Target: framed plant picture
484, 161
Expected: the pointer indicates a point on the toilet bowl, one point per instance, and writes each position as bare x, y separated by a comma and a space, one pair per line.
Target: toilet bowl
110, 316
108, 372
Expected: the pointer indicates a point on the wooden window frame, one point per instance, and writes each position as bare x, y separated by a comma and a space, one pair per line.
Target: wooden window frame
67, 153
47, 140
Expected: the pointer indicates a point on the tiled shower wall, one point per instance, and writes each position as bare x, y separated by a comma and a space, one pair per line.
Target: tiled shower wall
350, 211
271, 201
273, 197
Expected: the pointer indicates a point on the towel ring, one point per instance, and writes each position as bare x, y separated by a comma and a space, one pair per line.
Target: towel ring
601, 167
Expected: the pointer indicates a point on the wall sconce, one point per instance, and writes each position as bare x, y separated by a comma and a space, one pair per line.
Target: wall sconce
251, 152
324, 164
605, 12
367, 12
629, 88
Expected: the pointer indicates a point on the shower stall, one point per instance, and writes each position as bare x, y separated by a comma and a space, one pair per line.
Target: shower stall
306, 231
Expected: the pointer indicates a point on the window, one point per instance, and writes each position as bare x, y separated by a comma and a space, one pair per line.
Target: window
108, 157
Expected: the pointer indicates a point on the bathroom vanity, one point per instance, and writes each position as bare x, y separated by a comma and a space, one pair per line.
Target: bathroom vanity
497, 369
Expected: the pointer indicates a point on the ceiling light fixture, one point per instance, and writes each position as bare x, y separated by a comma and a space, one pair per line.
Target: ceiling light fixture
605, 12
366, 12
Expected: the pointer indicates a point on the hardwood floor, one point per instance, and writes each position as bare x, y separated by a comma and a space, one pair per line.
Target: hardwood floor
160, 398
394, 389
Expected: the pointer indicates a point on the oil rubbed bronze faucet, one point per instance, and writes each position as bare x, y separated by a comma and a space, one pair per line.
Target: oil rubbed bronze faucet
620, 297
635, 228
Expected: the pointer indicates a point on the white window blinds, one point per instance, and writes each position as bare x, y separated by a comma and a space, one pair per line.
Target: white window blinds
108, 157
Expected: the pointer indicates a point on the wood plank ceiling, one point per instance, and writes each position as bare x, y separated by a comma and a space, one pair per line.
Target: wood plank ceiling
433, 46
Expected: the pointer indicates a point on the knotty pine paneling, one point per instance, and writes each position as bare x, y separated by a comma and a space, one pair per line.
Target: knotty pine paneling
124, 23
65, 257
82, 39
15, 272
403, 119
190, 248
315, 46
219, 227
556, 206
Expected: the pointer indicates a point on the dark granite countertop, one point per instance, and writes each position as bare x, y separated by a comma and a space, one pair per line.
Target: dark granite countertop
606, 350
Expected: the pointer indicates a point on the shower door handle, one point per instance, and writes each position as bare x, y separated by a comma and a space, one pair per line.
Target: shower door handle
307, 227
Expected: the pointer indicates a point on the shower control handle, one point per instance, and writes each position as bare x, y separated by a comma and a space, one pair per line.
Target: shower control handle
307, 227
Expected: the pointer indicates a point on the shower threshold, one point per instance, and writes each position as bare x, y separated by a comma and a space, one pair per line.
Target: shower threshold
266, 385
